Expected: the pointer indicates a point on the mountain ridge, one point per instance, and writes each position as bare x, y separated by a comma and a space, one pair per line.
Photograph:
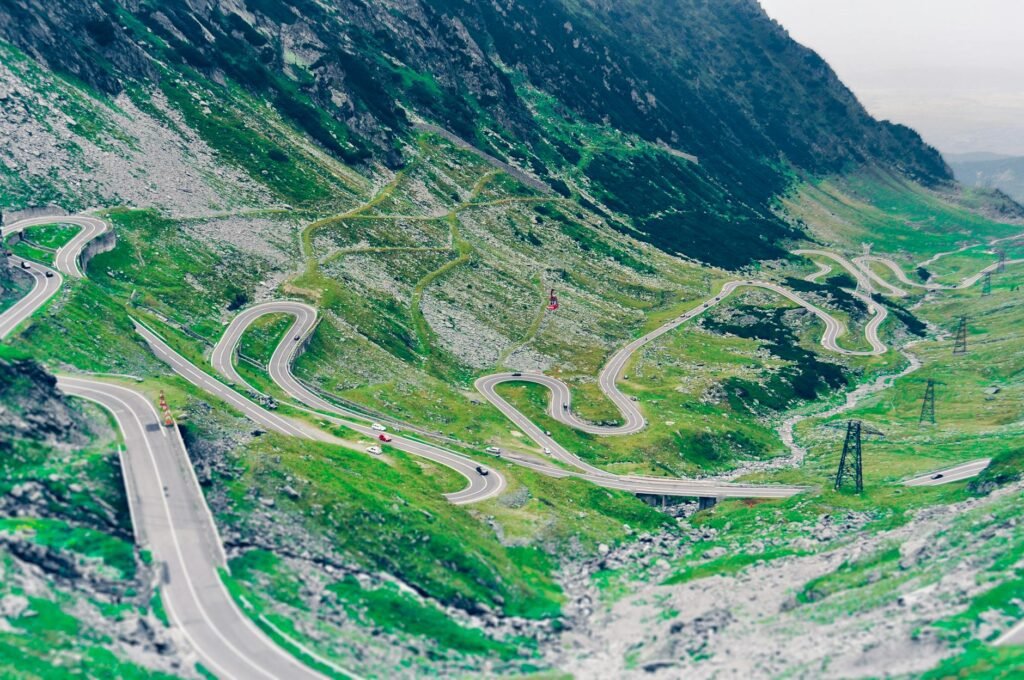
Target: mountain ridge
720, 81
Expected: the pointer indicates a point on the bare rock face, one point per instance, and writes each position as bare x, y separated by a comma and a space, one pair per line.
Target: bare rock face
31, 406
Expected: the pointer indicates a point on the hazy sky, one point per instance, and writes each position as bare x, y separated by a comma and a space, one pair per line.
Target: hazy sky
951, 69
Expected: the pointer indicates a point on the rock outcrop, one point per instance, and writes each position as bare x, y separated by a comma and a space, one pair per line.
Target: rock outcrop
32, 408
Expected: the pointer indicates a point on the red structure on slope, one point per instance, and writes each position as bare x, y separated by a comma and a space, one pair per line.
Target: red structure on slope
553, 302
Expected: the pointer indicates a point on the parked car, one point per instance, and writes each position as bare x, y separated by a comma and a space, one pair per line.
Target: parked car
375, 450
384, 437
482, 471
378, 427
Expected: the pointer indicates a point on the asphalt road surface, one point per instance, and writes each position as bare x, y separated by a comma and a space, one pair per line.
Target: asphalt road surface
279, 369
172, 521
66, 261
42, 290
560, 403
895, 268
948, 475
479, 487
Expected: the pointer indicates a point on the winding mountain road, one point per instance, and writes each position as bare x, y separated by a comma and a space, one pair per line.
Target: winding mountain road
280, 372
171, 519
169, 514
480, 487
968, 281
47, 280
560, 403
67, 258
43, 289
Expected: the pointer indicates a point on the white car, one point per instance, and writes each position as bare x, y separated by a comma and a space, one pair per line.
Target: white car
547, 450
378, 427
492, 449
375, 450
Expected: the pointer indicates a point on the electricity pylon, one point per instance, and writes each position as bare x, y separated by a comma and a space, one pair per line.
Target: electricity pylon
960, 346
986, 285
851, 462
928, 404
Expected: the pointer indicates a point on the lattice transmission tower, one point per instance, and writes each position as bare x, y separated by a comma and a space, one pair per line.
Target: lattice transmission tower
851, 462
928, 403
960, 346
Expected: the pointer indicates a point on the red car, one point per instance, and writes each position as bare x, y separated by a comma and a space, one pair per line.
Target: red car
384, 437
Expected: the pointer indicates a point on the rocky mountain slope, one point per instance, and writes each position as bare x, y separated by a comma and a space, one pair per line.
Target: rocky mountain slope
716, 81
74, 584
355, 156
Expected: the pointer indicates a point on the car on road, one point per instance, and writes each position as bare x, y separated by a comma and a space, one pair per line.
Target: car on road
547, 450
482, 471
517, 374
297, 338
938, 475
375, 450
378, 427
24, 264
493, 449
49, 274
384, 437
547, 432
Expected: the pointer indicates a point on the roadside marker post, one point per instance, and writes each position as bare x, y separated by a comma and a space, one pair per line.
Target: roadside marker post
165, 409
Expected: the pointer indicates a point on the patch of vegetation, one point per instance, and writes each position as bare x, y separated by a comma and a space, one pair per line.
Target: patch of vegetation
1005, 468
590, 242
803, 377
392, 610
836, 288
51, 236
850, 575
115, 553
680, 210
906, 317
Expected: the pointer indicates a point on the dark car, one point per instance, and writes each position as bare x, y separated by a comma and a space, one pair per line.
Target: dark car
938, 475
24, 264
482, 471
516, 374
49, 274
